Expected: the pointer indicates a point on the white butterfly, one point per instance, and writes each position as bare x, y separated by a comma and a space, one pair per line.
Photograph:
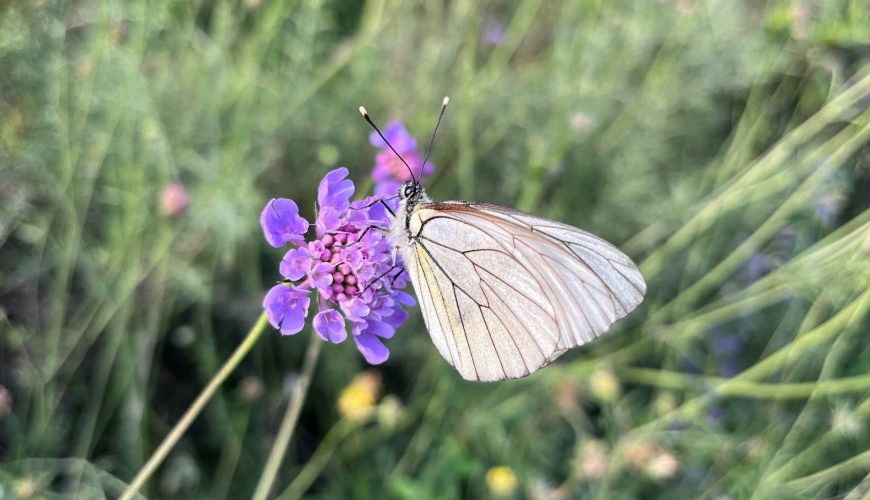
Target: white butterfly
504, 293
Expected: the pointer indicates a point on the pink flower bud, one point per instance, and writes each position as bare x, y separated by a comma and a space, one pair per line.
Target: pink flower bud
174, 200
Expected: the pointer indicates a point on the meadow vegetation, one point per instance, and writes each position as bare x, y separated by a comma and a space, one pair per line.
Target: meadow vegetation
722, 144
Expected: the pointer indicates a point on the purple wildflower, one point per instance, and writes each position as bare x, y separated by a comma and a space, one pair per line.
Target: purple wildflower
351, 269
726, 345
716, 415
493, 32
389, 172
757, 266
282, 224
729, 368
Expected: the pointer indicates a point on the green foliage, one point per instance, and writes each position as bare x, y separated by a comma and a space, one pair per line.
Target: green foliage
723, 144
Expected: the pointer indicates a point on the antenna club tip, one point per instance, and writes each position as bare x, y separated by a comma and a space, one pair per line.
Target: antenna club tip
445, 101
362, 111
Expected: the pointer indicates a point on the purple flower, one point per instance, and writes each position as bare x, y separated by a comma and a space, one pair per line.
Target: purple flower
493, 32
294, 265
726, 345
716, 415
350, 268
330, 326
335, 190
729, 368
282, 224
389, 172
757, 266
286, 307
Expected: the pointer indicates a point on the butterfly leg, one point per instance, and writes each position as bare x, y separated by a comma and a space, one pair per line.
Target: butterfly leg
382, 230
382, 202
388, 271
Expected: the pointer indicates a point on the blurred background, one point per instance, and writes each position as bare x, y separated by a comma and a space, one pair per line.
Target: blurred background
722, 144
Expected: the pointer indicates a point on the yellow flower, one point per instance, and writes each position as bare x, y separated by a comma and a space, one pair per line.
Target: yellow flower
605, 386
501, 481
359, 398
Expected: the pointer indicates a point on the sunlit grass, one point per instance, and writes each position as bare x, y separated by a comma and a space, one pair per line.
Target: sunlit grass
723, 145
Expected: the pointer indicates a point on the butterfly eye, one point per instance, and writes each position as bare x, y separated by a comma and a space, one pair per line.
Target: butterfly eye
409, 191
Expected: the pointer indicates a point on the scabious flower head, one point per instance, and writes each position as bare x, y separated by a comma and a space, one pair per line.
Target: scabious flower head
347, 268
389, 172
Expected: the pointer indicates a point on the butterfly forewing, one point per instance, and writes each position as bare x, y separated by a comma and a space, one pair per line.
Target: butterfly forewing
504, 293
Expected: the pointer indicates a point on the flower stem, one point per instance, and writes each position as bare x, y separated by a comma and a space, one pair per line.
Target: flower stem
314, 466
288, 423
194, 410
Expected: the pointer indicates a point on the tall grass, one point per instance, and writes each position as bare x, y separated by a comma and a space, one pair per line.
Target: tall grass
724, 145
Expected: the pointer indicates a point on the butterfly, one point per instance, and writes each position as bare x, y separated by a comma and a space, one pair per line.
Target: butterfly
504, 293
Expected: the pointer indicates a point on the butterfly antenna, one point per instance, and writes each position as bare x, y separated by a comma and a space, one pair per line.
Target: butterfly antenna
365, 114
432, 139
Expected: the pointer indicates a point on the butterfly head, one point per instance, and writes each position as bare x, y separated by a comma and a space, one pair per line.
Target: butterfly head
411, 193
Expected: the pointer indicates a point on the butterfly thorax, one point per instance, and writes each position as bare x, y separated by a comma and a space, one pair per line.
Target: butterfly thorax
411, 194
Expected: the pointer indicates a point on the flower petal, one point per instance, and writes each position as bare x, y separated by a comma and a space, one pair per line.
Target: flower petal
371, 348
379, 328
387, 190
282, 224
398, 317
295, 263
398, 136
328, 220
355, 309
403, 298
287, 308
330, 326
335, 190
320, 276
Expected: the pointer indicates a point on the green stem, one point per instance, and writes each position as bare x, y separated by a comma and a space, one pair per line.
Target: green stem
858, 464
194, 410
314, 466
812, 454
291, 416
745, 388
855, 311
